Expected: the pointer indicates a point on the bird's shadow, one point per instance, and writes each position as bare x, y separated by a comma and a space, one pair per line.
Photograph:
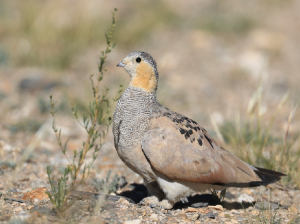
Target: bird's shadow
138, 191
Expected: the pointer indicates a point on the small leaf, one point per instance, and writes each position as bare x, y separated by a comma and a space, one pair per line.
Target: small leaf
65, 146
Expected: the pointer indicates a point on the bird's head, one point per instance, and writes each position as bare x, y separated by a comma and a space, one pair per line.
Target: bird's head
142, 70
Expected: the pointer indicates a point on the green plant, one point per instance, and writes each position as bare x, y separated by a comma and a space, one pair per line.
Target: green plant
105, 185
96, 123
255, 138
266, 216
59, 193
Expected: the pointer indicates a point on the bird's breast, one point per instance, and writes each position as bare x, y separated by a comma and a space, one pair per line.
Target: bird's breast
131, 118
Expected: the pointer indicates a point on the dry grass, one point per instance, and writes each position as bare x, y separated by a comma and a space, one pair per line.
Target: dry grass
254, 139
201, 49
51, 34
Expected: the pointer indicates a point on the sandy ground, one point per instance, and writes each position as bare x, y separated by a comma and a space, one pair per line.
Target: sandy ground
204, 73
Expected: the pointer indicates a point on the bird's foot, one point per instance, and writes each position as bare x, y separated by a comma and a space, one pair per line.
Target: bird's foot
184, 200
153, 201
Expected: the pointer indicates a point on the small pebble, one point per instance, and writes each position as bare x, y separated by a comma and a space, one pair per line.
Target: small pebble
193, 216
200, 205
30, 207
46, 199
123, 201
17, 209
228, 195
153, 216
245, 198
152, 205
284, 206
266, 205
35, 214
216, 207
135, 221
210, 215
36, 201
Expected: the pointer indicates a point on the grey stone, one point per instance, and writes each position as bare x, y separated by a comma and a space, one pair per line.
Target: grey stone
245, 198
266, 205
199, 205
228, 195
211, 215
284, 206
36, 201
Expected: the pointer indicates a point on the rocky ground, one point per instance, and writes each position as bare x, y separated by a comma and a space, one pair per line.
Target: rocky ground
250, 205
214, 60
200, 209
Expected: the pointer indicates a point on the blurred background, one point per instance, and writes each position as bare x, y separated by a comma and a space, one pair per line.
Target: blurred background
220, 62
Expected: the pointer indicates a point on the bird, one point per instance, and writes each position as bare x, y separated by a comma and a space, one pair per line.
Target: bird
174, 155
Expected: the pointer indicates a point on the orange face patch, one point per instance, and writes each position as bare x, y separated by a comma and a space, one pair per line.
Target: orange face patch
144, 78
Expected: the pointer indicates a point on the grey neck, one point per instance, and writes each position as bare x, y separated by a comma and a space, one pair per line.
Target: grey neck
138, 92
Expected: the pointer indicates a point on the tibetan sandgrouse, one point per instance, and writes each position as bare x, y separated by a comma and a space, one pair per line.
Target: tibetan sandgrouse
174, 154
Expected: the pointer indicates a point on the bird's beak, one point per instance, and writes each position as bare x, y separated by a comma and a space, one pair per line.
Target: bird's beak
121, 64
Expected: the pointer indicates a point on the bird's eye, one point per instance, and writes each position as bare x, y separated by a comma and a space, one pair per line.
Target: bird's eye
138, 60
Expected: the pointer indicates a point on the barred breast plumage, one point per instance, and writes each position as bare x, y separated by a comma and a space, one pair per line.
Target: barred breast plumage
131, 117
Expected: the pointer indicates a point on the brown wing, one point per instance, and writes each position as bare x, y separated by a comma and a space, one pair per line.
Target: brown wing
178, 148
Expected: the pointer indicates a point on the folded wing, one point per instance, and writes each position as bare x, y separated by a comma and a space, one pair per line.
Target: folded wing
201, 161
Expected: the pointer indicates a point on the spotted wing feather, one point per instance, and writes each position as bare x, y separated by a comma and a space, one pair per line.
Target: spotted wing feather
180, 149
